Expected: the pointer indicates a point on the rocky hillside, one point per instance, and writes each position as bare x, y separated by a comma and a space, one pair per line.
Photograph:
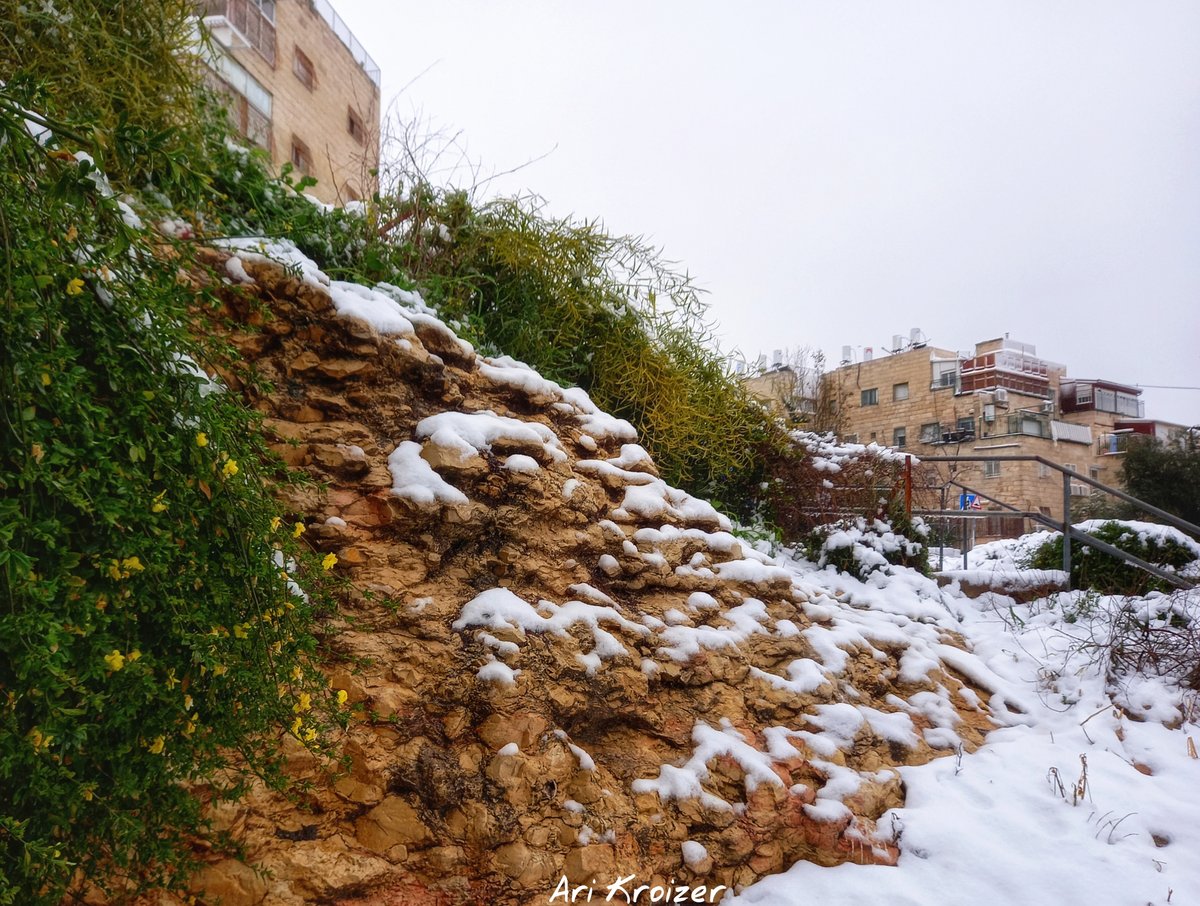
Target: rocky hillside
561, 666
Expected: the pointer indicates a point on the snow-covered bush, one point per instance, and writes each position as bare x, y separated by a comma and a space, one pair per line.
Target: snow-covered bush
861, 546
1157, 544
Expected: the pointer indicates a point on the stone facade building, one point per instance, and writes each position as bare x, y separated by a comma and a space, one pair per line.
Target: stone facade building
1001, 399
300, 86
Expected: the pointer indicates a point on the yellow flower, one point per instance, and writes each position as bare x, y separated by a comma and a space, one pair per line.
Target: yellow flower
239, 631
74, 287
304, 704
296, 672
133, 655
342, 695
296, 724
132, 564
229, 469
298, 530
115, 660
158, 506
329, 562
87, 794
187, 703
156, 747
45, 379
275, 523
201, 439
191, 725
39, 740
310, 734
220, 670
172, 682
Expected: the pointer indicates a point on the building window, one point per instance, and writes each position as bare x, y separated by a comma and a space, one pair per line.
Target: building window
301, 157
851, 438
1094, 473
899, 438
1043, 470
1070, 467
354, 125
945, 374
870, 397
966, 425
1083, 394
305, 71
899, 392
931, 433
991, 470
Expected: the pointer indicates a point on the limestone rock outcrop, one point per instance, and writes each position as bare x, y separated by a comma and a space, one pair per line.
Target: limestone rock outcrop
563, 666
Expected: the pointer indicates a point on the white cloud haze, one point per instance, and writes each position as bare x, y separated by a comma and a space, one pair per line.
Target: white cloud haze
836, 173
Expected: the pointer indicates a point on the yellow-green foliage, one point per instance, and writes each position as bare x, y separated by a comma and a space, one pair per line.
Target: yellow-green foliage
116, 71
607, 313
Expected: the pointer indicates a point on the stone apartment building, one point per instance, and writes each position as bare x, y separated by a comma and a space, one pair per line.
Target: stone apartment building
1001, 399
300, 86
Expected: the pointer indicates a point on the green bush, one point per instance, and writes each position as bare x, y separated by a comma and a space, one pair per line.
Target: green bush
150, 636
1096, 570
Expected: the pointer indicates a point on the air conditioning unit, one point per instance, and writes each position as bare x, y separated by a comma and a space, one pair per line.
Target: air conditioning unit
989, 413
1080, 490
1048, 407
1002, 396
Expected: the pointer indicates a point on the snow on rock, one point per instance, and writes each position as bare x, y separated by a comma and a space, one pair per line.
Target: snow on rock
415, 480
691, 697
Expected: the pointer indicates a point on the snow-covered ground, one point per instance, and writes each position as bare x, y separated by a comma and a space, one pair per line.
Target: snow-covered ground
1080, 804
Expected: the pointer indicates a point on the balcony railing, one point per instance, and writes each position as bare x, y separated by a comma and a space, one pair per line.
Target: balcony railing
248, 20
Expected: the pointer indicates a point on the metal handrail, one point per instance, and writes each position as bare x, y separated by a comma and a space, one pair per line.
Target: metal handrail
1070, 531
1181, 524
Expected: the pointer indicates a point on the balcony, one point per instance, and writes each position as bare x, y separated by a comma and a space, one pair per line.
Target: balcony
242, 23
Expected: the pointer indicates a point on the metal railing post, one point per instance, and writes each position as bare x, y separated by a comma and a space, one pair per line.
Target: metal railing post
1066, 529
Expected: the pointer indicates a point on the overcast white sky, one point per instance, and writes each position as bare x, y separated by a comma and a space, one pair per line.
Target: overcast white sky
835, 173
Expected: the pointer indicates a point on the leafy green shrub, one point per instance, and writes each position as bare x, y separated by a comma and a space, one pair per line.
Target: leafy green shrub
605, 313
150, 634
116, 66
1105, 573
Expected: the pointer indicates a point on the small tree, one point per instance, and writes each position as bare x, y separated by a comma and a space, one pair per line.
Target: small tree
1167, 476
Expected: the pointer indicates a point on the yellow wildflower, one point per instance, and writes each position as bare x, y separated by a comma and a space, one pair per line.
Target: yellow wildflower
45, 379
239, 631
220, 670
87, 794
39, 740
298, 530
296, 672
310, 734
201, 439
296, 724
304, 704
342, 695
187, 703
191, 725
329, 562
115, 660
229, 469
74, 287
133, 655
158, 506
156, 747
172, 682
275, 523
72, 233
132, 564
